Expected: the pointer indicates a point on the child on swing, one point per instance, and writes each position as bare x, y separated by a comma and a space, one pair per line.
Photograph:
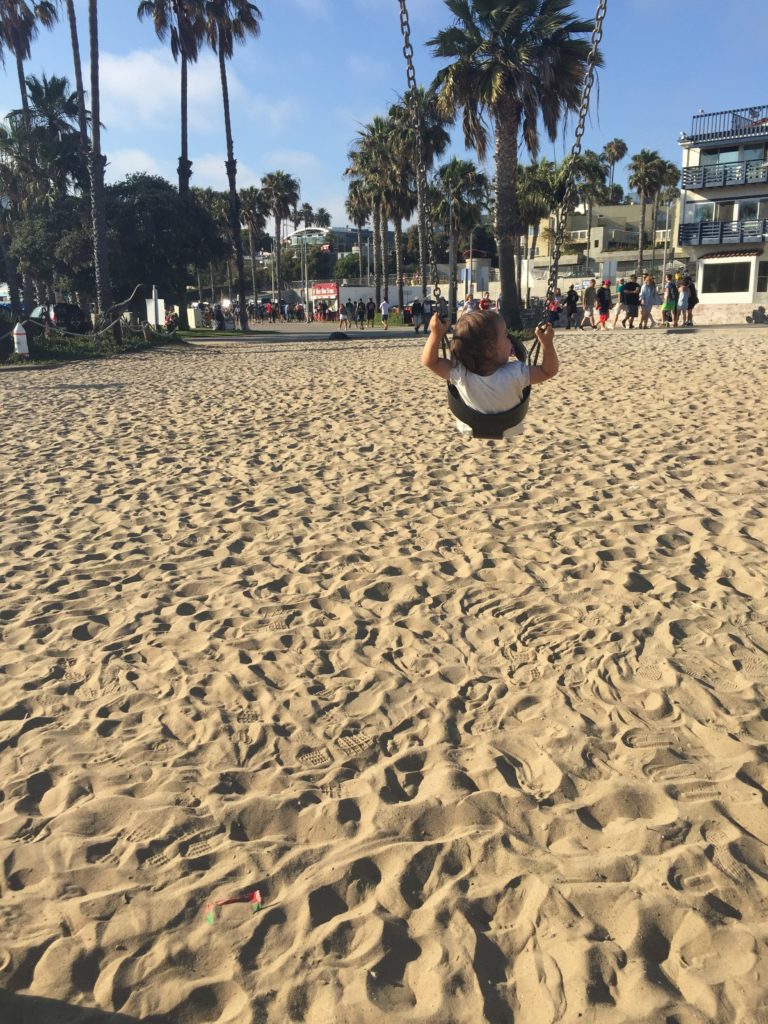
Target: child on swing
480, 367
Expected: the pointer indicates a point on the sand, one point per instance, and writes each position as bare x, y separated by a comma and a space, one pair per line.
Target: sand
485, 724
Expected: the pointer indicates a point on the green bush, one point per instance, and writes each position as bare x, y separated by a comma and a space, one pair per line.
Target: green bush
50, 346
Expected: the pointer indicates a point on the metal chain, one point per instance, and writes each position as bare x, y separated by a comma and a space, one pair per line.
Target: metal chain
421, 170
570, 181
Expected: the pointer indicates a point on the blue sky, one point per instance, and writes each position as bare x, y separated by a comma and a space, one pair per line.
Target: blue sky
323, 68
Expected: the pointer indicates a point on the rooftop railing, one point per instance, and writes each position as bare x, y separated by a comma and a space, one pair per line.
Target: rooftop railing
744, 123
719, 232
744, 172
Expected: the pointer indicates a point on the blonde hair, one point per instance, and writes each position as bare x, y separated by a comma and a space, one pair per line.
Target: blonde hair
474, 339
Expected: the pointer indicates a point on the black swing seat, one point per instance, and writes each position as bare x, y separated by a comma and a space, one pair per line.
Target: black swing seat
487, 425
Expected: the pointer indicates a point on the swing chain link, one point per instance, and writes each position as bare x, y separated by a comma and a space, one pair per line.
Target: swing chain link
570, 178
421, 170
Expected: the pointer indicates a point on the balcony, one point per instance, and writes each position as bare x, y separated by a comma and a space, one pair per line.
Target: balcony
718, 232
745, 123
745, 172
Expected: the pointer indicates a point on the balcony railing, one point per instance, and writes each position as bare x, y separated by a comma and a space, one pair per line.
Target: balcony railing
745, 123
745, 172
717, 232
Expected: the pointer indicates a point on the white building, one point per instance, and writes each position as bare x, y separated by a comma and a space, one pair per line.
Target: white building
723, 216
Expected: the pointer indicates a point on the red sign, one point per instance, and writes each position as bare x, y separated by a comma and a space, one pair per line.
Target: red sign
325, 290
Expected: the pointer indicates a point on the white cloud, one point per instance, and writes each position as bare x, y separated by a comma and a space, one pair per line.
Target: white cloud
132, 161
141, 91
294, 161
208, 171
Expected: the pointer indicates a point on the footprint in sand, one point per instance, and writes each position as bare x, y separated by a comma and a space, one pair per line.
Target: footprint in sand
534, 771
316, 757
720, 835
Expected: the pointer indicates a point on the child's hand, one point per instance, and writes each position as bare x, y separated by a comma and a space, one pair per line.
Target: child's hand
545, 334
440, 327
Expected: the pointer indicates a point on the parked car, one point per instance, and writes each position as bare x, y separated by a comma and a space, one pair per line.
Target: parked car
64, 315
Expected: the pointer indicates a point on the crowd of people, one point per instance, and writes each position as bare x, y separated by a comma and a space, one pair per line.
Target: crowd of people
675, 302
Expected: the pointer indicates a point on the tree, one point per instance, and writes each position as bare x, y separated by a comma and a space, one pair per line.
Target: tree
96, 165
79, 88
20, 22
535, 200
517, 62
613, 153
228, 22
358, 209
321, 217
463, 197
371, 162
304, 215
183, 22
281, 195
155, 235
589, 173
254, 211
430, 143
646, 169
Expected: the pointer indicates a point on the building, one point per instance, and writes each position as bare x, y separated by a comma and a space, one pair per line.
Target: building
341, 240
723, 216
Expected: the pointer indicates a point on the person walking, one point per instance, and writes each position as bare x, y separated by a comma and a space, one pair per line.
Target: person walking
384, 309
417, 314
693, 300
669, 304
620, 307
590, 293
683, 302
571, 307
370, 310
360, 314
631, 298
604, 302
649, 297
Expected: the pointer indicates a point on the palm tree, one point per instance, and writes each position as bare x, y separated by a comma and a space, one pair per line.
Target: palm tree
589, 172
517, 61
359, 211
645, 173
96, 164
183, 21
463, 191
79, 88
430, 144
281, 195
371, 161
20, 22
535, 200
613, 153
254, 211
669, 176
321, 217
57, 161
305, 215
229, 22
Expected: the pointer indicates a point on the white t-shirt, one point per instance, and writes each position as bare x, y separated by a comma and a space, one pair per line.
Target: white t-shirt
500, 392
384, 307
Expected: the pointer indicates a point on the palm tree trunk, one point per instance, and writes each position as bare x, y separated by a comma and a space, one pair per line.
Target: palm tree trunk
589, 236
384, 254
451, 262
519, 258
185, 165
213, 290
642, 234
234, 203
199, 285
81, 118
421, 200
360, 250
398, 226
252, 251
96, 163
507, 121
376, 244
276, 255
23, 91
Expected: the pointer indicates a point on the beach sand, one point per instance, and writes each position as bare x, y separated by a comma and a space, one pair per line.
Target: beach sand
484, 723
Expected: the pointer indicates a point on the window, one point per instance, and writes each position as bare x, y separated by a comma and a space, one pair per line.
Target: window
725, 155
726, 277
753, 152
762, 276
